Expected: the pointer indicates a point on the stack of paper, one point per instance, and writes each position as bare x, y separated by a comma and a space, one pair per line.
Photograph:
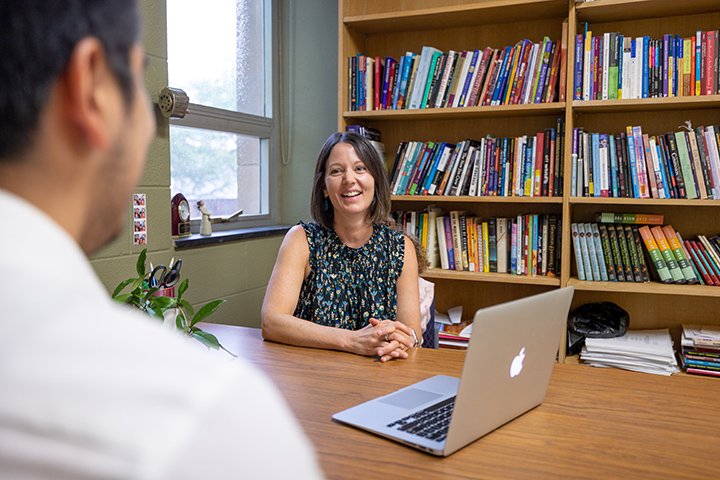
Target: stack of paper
701, 350
649, 351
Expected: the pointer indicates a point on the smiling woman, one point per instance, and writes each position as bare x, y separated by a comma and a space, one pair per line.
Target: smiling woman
346, 281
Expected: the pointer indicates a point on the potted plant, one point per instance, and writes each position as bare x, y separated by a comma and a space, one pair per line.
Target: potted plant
146, 295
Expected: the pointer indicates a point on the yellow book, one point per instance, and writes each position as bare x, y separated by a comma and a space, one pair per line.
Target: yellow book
486, 249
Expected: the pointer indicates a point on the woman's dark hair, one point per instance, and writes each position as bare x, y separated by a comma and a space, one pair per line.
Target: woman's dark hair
37, 38
321, 211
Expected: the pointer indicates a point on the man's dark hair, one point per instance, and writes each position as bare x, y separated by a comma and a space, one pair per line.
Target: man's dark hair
37, 38
380, 207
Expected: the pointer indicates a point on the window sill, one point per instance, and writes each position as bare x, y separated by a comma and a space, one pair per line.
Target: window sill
239, 234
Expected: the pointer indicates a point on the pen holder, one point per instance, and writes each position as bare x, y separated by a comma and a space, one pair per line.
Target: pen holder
165, 292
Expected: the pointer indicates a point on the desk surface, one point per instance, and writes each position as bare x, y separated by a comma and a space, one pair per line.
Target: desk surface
594, 423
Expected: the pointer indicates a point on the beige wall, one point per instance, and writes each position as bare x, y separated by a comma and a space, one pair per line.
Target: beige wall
238, 271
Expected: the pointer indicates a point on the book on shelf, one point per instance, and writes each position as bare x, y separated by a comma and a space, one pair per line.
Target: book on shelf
523, 245
682, 164
523, 73
528, 165
613, 65
630, 218
700, 350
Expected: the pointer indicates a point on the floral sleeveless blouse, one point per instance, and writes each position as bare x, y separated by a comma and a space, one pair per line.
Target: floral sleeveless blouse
348, 286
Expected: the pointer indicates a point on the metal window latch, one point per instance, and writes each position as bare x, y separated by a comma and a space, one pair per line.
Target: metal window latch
173, 102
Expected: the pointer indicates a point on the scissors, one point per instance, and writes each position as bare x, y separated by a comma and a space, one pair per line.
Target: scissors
162, 277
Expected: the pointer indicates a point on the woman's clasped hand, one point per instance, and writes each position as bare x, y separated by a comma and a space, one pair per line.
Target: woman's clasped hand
385, 339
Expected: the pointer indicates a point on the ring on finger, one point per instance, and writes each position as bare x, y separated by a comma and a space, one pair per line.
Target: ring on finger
386, 338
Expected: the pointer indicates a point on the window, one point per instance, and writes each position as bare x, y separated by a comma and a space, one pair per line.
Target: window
222, 53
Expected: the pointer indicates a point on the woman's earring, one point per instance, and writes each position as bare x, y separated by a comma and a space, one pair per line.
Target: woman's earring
326, 204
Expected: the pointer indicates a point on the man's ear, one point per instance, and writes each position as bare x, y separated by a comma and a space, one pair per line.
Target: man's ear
89, 90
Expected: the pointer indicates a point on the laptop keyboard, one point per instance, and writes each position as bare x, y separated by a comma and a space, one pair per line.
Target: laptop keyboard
431, 422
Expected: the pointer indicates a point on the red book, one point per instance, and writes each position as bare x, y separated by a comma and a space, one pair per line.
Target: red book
563, 63
492, 76
379, 62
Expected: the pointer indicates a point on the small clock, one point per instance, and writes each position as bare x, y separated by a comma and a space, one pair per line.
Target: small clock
180, 216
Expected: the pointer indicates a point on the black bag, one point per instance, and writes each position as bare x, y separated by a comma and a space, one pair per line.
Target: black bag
595, 320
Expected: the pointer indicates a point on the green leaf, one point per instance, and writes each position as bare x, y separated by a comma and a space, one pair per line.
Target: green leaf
208, 339
140, 265
154, 313
149, 293
137, 284
121, 286
181, 321
187, 306
182, 288
206, 310
162, 303
124, 298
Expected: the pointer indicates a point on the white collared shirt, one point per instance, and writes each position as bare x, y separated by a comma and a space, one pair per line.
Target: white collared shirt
90, 389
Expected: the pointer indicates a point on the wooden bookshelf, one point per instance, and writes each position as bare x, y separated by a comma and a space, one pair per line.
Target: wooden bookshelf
391, 27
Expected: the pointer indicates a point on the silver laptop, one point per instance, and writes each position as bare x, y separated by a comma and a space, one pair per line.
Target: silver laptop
507, 370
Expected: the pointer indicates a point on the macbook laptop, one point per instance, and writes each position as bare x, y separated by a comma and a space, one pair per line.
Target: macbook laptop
507, 370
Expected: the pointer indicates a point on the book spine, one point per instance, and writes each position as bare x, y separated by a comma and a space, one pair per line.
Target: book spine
661, 267
667, 254
633, 254
641, 257
591, 271
602, 267
607, 252
617, 254
625, 254
630, 218
682, 260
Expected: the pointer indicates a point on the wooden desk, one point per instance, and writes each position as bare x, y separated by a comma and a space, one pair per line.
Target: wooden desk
594, 423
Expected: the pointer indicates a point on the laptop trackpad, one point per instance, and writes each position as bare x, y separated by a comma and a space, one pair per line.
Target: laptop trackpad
410, 398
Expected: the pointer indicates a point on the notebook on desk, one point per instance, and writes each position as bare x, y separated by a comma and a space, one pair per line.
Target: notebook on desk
507, 370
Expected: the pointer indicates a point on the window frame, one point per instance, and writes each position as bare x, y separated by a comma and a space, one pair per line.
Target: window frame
265, 128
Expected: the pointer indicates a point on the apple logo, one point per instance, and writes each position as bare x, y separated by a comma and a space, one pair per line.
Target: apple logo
517, 364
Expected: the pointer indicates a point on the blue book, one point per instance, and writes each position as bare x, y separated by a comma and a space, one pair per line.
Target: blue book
396, 87
543, 70
595, 148
679, 56
409, 169
433, 168
469, 77
613, 167
633, 164
645, 70
698, 59
663, 169
502, 78
578, 86
404, 79
528, 166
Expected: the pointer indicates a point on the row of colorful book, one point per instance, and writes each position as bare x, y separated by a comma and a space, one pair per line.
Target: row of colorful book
635, 253
614, 66
524, 73
682, 164
700, 350
523, 245
529, 165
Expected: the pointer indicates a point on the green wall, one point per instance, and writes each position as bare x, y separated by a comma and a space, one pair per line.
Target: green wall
239, 271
